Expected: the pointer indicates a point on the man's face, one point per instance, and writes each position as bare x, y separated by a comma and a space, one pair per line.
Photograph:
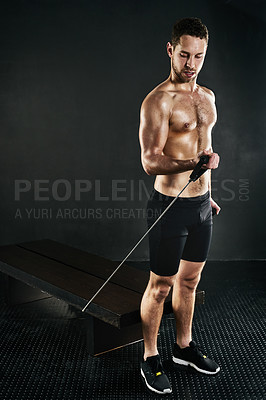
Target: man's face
187, 57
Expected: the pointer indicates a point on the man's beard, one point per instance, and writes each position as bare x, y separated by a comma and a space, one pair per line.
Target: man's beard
182, 78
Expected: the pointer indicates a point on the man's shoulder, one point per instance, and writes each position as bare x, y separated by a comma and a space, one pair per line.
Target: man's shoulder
208, 91
159, 97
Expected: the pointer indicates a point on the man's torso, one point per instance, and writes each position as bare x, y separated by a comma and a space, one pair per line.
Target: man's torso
191, 119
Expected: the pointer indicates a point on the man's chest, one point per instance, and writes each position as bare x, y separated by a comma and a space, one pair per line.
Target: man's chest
190, 113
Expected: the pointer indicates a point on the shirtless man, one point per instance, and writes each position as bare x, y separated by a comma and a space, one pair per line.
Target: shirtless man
176, 122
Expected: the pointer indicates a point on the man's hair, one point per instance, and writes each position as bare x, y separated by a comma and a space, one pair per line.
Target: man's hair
189, 26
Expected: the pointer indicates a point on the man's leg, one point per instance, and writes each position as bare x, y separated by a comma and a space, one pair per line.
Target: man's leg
151, 310
185, 351
184, 292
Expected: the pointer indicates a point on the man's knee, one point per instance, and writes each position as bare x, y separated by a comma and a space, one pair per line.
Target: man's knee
189, 274
161, 292
161, 286
189, 282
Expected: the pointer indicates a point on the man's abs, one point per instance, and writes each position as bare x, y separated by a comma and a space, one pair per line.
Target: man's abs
185, 146
171, 185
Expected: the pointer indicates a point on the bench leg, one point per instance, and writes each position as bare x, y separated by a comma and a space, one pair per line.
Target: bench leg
102, 337
16, 292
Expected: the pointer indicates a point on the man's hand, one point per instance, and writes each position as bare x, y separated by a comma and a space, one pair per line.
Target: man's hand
215, 205
213, 161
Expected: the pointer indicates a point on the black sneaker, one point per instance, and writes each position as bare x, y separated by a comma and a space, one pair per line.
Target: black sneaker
194, 356
154, 376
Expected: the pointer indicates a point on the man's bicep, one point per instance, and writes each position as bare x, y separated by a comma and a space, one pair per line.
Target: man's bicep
154, 126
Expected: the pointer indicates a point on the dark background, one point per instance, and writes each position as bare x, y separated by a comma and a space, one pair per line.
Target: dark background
73, 75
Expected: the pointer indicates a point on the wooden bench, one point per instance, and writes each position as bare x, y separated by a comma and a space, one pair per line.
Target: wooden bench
72, 275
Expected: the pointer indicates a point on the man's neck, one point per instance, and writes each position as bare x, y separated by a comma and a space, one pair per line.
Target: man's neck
182, 86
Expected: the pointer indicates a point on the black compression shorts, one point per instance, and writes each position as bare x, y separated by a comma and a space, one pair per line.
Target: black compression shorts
184, 232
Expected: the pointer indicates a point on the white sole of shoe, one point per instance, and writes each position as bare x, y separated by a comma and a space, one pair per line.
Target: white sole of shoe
166, 391
187, 363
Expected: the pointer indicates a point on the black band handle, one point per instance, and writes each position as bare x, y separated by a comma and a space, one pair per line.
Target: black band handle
198, 171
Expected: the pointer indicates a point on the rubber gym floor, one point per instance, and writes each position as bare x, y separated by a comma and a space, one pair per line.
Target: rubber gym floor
43, 357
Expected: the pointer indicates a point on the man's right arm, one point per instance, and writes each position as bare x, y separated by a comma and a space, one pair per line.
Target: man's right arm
153, 133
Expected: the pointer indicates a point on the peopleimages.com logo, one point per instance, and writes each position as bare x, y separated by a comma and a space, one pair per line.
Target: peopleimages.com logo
128, 198
117, 190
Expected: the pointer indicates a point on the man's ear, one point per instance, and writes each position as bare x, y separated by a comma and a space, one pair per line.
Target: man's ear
169, 48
